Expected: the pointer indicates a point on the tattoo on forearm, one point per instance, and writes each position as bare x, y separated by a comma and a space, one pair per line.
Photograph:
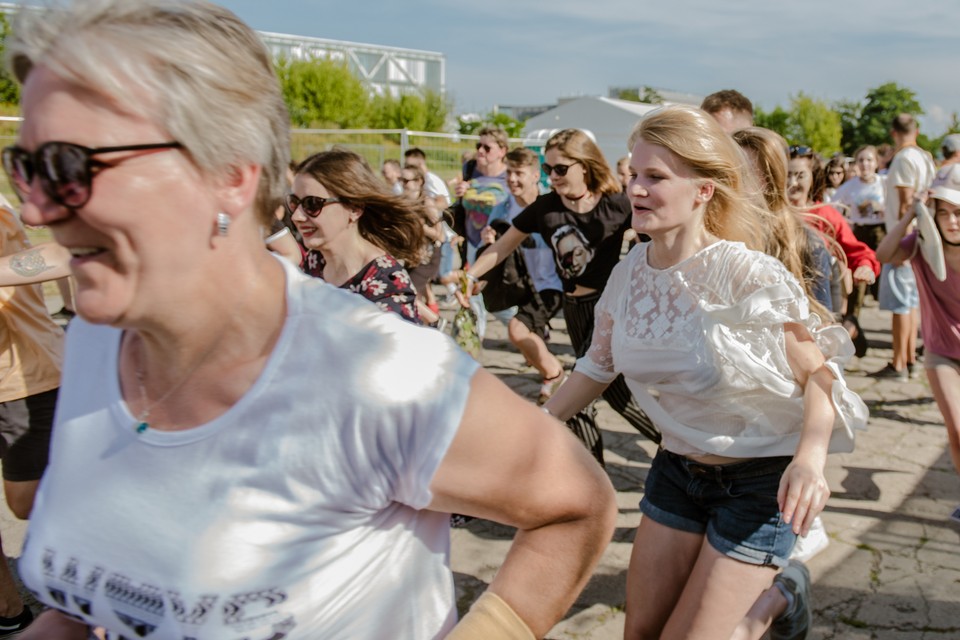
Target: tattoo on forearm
29, 263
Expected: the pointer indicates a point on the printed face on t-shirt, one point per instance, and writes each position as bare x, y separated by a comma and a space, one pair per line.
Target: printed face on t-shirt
572, 251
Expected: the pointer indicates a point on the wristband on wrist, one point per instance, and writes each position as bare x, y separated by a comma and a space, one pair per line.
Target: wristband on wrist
491, 617
472, 278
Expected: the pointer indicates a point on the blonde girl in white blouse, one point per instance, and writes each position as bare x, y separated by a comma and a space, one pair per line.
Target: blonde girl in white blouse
716, 342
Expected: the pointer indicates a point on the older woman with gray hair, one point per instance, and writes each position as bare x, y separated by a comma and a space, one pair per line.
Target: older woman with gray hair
241, 450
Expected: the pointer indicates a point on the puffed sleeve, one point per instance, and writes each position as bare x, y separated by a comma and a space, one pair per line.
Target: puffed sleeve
747, 337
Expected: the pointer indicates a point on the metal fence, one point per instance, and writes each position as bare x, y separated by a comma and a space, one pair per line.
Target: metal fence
445, 151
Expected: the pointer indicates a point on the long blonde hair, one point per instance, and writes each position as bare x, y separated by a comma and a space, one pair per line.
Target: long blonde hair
733, 213
788, 235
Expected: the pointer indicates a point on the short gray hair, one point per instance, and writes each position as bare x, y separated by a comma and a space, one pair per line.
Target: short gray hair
193, 68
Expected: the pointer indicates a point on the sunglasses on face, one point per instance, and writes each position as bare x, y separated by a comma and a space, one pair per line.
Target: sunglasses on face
310, 205
486, 147
559, 169
66, 170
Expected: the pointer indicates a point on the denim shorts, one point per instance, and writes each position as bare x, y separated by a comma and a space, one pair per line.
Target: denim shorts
735, 505
898, 289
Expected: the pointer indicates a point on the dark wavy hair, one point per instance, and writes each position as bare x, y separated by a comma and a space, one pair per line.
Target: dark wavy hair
393, 223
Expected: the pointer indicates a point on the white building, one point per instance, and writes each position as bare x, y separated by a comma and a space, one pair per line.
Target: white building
384, 69
607, 119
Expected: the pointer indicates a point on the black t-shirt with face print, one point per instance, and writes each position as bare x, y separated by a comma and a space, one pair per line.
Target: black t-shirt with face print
586, 246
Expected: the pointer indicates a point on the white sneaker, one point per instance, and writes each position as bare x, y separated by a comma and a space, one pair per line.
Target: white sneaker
815, 541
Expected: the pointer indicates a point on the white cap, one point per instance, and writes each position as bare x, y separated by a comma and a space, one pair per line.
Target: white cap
946, 186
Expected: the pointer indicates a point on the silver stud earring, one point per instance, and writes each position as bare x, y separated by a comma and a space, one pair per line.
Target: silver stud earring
223, 224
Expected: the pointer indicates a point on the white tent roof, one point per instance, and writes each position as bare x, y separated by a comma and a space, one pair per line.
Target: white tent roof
607, 119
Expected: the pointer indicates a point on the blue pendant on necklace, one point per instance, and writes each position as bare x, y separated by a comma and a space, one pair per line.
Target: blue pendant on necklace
143, 426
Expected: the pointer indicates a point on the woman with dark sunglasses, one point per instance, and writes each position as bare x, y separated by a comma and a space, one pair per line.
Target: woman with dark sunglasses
241, 450
355, 230
583, 219
836, 174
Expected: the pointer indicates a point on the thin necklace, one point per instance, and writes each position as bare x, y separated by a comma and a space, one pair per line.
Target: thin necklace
142, 424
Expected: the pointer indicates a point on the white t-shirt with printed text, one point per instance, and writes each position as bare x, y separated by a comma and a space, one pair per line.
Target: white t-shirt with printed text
296, 514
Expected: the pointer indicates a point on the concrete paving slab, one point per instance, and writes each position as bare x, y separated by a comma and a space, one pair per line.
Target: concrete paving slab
891, 572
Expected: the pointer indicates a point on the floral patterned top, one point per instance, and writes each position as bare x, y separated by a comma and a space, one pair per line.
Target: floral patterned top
383, 281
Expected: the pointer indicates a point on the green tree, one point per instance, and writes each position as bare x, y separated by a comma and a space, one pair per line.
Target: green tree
812, 122
402, 112
878, 109
934, 144
409, 111
849, 112
469, 126
777, 120
645, 94
438, 108
323, 93
512, 126
9, 88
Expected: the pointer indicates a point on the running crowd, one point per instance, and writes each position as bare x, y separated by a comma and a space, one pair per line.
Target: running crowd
244, 446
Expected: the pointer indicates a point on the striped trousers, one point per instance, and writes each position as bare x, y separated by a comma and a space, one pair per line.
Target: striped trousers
578, 314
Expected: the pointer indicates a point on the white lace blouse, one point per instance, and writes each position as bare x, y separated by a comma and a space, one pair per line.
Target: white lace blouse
707, 337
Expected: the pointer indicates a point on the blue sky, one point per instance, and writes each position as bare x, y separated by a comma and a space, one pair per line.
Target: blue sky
525, 52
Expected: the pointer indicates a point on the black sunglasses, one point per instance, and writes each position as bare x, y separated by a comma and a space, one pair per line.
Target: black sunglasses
486, 147
310, 205
559, 169
66, 170
800, 150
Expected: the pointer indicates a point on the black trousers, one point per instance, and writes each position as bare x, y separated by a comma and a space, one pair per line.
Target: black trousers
578, 314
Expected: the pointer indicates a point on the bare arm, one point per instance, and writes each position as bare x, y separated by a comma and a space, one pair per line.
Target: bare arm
574, 394
889, 248
53, 625
905, 194
47, 261
513, 464
803, 488
493, 256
